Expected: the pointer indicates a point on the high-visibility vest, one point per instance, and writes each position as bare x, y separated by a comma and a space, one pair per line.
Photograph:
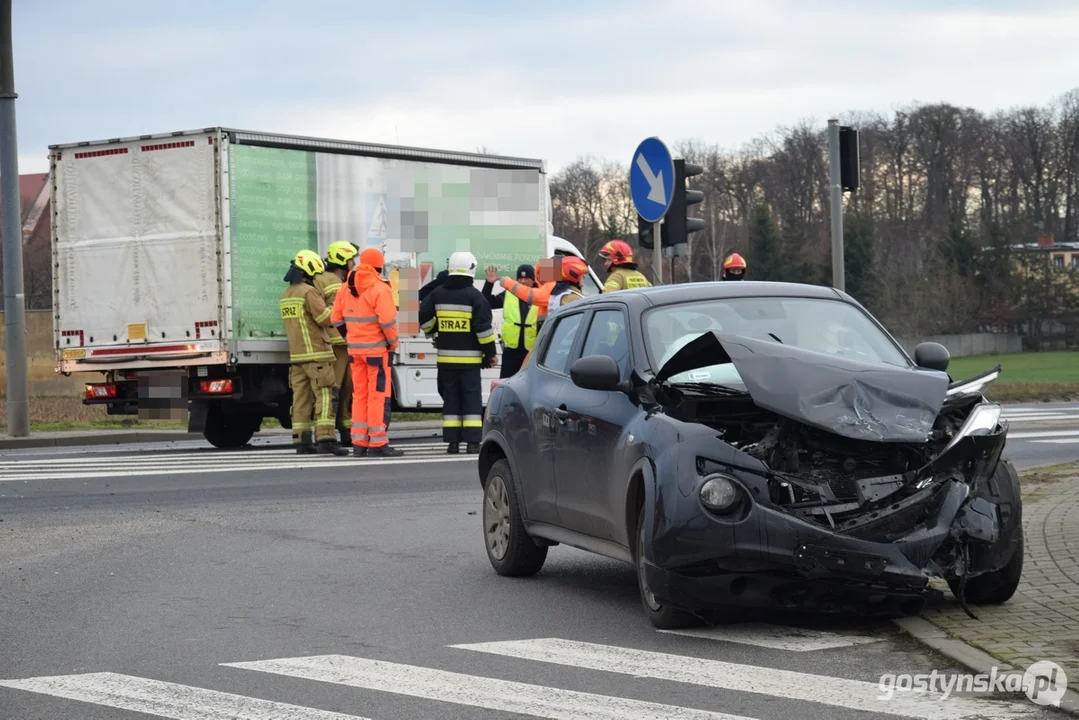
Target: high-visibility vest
511, 323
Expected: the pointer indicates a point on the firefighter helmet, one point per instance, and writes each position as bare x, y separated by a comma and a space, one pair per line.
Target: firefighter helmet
340, 252
574, 269
734, 267
462, 263
618, 252
309, 262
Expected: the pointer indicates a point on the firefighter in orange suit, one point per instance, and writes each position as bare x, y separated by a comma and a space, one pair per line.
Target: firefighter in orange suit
365, 304
306, 318
340, 259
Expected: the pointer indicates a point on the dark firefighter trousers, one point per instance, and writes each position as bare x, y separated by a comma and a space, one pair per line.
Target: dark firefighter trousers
462, 404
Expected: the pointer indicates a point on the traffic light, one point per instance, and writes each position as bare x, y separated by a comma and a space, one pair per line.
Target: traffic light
645, 231
679, 225
849, 158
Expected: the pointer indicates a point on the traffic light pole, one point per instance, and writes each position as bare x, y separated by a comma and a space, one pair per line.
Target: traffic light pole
657, 251
836, 185
18, 402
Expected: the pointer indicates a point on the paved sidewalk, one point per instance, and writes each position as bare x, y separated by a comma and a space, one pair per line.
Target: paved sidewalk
1041, 621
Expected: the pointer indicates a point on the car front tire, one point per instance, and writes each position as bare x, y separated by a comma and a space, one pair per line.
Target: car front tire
662, 617
997, 587
510, 549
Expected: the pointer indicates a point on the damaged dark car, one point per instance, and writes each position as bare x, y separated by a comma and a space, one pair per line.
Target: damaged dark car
751, 445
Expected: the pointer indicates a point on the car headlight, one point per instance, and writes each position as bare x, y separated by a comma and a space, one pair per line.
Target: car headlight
982, 419
719, 493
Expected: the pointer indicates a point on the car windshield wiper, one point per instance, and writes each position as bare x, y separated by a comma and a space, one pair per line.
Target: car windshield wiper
709, 388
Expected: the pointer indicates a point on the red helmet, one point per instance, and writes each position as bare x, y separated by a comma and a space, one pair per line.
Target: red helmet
574, 269
618, 252
734, 261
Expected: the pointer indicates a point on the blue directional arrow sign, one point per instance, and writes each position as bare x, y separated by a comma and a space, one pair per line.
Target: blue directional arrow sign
651, 179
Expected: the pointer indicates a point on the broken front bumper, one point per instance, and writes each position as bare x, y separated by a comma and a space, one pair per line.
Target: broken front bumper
880, 560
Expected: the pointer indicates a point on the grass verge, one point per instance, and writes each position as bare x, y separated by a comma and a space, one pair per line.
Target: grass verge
1025, 377
59, 414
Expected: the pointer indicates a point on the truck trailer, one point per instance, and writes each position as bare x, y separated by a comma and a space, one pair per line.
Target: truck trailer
169, 253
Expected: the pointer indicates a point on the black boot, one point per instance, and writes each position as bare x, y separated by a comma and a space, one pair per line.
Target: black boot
453, 448
331, 447
306, 446
473, 448
385, 451
359, 451
346, 437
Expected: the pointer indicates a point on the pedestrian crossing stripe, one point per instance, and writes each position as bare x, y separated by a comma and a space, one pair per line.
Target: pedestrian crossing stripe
182, 702
169, 463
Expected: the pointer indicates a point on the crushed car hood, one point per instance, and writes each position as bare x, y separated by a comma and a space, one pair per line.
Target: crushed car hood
852, 398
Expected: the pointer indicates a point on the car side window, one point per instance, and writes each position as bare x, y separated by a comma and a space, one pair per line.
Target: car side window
556, 357
607, 336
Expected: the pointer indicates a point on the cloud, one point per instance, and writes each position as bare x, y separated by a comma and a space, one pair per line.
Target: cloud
555, 80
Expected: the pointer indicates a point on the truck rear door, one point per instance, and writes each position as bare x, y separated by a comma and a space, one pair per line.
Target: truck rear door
136, 243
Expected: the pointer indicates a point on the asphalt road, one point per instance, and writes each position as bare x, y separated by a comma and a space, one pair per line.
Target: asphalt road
183, 583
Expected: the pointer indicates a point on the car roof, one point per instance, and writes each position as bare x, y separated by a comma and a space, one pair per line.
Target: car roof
642, 298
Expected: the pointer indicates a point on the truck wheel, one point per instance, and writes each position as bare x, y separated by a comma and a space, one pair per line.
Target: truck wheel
229, 431
510, 549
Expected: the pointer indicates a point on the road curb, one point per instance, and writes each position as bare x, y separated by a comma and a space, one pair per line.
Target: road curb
134, 437
974, 659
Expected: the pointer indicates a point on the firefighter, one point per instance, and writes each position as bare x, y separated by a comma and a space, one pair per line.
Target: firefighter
306, 319
365, 304
517, 337
340, 259
458, 315
734, 268
622, 272
568, 288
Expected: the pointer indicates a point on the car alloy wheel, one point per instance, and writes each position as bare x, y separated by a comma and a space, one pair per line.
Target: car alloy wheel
496, 517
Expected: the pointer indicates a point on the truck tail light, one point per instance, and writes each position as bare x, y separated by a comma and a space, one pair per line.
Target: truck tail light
216, 387
100, 390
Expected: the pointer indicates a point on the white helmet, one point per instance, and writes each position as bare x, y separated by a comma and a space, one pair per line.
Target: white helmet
462, 263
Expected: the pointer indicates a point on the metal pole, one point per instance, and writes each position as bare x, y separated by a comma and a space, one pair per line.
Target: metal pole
657, 243
837, 205
18, 400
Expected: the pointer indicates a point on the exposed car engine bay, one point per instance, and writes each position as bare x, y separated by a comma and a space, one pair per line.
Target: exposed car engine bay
823, 476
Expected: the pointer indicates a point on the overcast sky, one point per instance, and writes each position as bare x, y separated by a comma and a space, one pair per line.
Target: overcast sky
553, 79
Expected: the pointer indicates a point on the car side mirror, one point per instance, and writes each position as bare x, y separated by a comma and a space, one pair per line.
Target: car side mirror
933, 356
596, 372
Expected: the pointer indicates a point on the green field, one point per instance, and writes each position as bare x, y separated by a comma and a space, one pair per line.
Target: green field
1029, 376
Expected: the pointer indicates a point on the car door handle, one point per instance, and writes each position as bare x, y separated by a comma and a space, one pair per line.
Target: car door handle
561, 412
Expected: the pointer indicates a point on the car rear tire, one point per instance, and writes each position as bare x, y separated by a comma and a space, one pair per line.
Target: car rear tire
510, 549
662, 617
997, 587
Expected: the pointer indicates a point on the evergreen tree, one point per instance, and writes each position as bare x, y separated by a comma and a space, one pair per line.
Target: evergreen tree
859, 264
766, 252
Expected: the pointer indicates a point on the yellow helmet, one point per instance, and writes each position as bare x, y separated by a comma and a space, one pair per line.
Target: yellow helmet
309, 262
340, 252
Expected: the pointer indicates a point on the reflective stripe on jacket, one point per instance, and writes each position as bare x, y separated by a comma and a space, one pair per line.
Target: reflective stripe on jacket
365, 304
511, 323
306, 317
459, 318
625, 279
328, 283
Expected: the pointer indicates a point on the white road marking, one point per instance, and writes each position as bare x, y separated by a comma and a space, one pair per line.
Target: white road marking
837, 692
1039, 418
170, 700
1059, 441
1042, 433
777, 637
155, 469
474, 691
205, 456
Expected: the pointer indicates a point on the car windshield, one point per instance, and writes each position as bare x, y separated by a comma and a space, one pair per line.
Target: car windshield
825, 326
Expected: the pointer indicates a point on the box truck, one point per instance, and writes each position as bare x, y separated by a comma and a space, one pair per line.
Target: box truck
170, 251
